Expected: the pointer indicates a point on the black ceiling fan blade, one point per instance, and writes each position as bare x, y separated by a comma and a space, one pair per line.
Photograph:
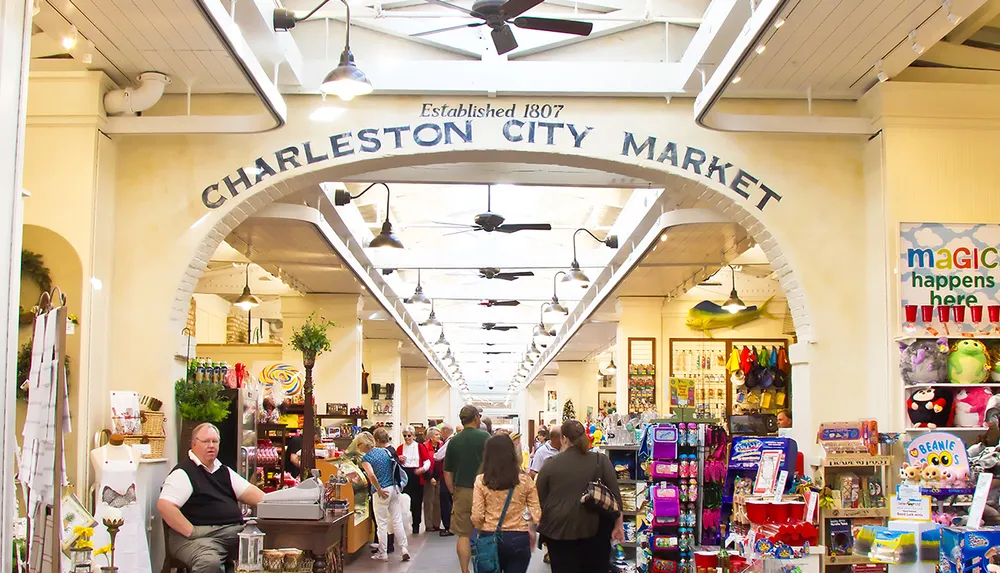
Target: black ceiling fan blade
503, 39
506, 277
515, 227
449, 224
506, 303
519, 274
449, 29
504, 328
456, 7
575, 27
514, 8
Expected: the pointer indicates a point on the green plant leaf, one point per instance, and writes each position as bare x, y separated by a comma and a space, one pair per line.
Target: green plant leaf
201, 401
311, 339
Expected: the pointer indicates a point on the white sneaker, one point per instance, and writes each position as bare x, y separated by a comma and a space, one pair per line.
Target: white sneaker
380, 557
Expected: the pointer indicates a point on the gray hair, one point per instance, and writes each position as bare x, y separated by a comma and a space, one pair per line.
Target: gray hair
197, 430
433, 431
448, 427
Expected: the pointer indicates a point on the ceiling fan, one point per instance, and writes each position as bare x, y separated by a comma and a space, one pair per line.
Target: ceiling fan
497, 14
490, 221
492, 302
495, 273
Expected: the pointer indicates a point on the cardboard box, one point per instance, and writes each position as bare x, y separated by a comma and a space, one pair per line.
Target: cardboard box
968, 550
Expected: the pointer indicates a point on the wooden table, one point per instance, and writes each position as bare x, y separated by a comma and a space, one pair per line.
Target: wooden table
326, 538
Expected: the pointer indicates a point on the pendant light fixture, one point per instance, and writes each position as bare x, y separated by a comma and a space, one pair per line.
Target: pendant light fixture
441, 344
576, 274
346, 81
554, 312
734, 304
419, 301
432, 324
247, 300
534, 352
542, 335
386, 238
611, 369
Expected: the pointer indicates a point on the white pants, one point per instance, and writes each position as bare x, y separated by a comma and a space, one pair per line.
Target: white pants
389, 510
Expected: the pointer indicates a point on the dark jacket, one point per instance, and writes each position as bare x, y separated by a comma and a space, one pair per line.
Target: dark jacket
561, 484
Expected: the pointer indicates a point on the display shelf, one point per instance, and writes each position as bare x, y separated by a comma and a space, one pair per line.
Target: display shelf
841, 512
944, 429
632, 513
336, 417
631, 481
628, 544
845, 559
937, 492
976, 335
632, 448
855, 460
949, 385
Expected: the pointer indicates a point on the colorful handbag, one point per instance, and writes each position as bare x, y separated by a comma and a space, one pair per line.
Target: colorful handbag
487, 551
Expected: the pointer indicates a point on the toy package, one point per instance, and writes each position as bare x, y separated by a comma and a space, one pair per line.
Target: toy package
967, 550
840, 538
849, 485
859, 437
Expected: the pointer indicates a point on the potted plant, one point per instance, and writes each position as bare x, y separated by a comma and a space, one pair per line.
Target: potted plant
198, 402
311, 340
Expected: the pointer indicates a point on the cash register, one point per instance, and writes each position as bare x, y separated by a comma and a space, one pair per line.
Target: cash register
303, 501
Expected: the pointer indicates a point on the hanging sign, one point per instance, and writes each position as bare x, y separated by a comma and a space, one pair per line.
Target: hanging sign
519, 125
939, 449
948, 265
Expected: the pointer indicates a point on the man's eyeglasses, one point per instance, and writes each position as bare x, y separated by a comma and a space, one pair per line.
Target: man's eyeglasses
407, 435
209, 442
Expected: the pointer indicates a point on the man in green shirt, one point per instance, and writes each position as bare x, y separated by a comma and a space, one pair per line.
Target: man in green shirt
462, 462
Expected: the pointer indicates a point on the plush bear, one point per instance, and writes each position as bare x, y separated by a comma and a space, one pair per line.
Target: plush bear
929, 407
924, 361
971, 404
930, 476
969, 363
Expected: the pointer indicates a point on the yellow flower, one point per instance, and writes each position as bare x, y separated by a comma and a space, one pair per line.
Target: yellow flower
103, 550
84, 532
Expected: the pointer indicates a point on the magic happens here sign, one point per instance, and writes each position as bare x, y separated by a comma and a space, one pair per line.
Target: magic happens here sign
447, 126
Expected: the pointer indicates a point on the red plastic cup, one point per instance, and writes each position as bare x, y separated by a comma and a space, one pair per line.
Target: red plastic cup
994, 312
977, 313
927, 313
757, 511
943, 313
798, 510
911, 312
959, 312
706, 560
778, 511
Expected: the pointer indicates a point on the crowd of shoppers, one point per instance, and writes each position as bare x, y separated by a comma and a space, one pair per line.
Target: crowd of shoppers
459, 482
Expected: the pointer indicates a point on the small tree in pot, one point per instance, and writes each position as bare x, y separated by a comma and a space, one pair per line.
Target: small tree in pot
311, 340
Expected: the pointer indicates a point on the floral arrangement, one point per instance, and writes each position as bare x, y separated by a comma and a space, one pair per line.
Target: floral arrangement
311, 340
83, 538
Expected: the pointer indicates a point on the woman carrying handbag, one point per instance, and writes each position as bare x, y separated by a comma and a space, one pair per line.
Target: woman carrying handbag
499, 500
581, 504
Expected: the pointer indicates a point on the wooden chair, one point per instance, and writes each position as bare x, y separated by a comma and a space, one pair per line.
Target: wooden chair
169, 562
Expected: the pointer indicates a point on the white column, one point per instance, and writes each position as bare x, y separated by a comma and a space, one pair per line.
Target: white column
383, 363
14, 22
805, 406
414, 396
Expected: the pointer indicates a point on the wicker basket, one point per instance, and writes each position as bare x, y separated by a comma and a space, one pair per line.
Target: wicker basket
156, 445
152, 423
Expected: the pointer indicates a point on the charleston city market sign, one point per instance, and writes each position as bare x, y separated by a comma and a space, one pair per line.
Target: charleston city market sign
514, 126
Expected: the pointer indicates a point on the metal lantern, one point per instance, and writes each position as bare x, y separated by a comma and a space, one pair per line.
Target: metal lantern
251, 548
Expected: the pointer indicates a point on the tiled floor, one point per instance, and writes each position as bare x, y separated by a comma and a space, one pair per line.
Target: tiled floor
430, 553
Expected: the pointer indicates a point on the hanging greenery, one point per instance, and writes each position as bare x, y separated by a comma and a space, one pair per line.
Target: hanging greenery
33, 267
201, 401
311, 340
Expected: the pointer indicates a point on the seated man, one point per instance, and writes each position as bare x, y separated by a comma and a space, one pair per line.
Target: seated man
199, 503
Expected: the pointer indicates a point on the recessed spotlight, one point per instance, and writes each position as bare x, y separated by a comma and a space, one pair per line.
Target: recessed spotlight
779, 23
663, 237
737, 79
880, 73
70, 39
760, 49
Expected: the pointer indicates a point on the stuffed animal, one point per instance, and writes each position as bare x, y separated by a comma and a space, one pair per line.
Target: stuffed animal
970, 406
930, 476
969, 362
910, 474
959, 477
929, 407
924, 361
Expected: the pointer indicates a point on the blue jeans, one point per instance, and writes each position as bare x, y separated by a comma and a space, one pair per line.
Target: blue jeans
514, 550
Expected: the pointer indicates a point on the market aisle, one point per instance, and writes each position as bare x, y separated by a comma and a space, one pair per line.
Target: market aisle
431, 554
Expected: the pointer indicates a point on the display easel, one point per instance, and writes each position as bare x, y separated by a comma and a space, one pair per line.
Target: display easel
44, 307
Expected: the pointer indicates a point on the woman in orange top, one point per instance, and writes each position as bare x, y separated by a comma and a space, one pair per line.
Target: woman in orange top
501, 473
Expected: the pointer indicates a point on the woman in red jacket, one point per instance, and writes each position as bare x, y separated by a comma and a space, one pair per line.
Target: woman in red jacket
416, 460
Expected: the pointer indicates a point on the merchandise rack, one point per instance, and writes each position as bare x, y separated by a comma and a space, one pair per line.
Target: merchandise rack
870, 465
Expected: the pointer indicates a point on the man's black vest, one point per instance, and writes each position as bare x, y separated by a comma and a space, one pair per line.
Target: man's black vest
213, 501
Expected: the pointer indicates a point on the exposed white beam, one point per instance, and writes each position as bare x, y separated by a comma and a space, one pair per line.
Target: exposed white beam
440, 77
958, 56
972, 23
721, 24
256, 21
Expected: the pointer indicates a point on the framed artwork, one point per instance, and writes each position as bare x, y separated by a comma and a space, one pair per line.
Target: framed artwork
73, 515
607, 382
606, 403
551, 401
541, 417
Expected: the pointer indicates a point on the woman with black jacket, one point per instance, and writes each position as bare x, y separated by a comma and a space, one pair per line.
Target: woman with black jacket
579, 540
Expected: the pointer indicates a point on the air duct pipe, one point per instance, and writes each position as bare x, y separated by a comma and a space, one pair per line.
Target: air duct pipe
131, 101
